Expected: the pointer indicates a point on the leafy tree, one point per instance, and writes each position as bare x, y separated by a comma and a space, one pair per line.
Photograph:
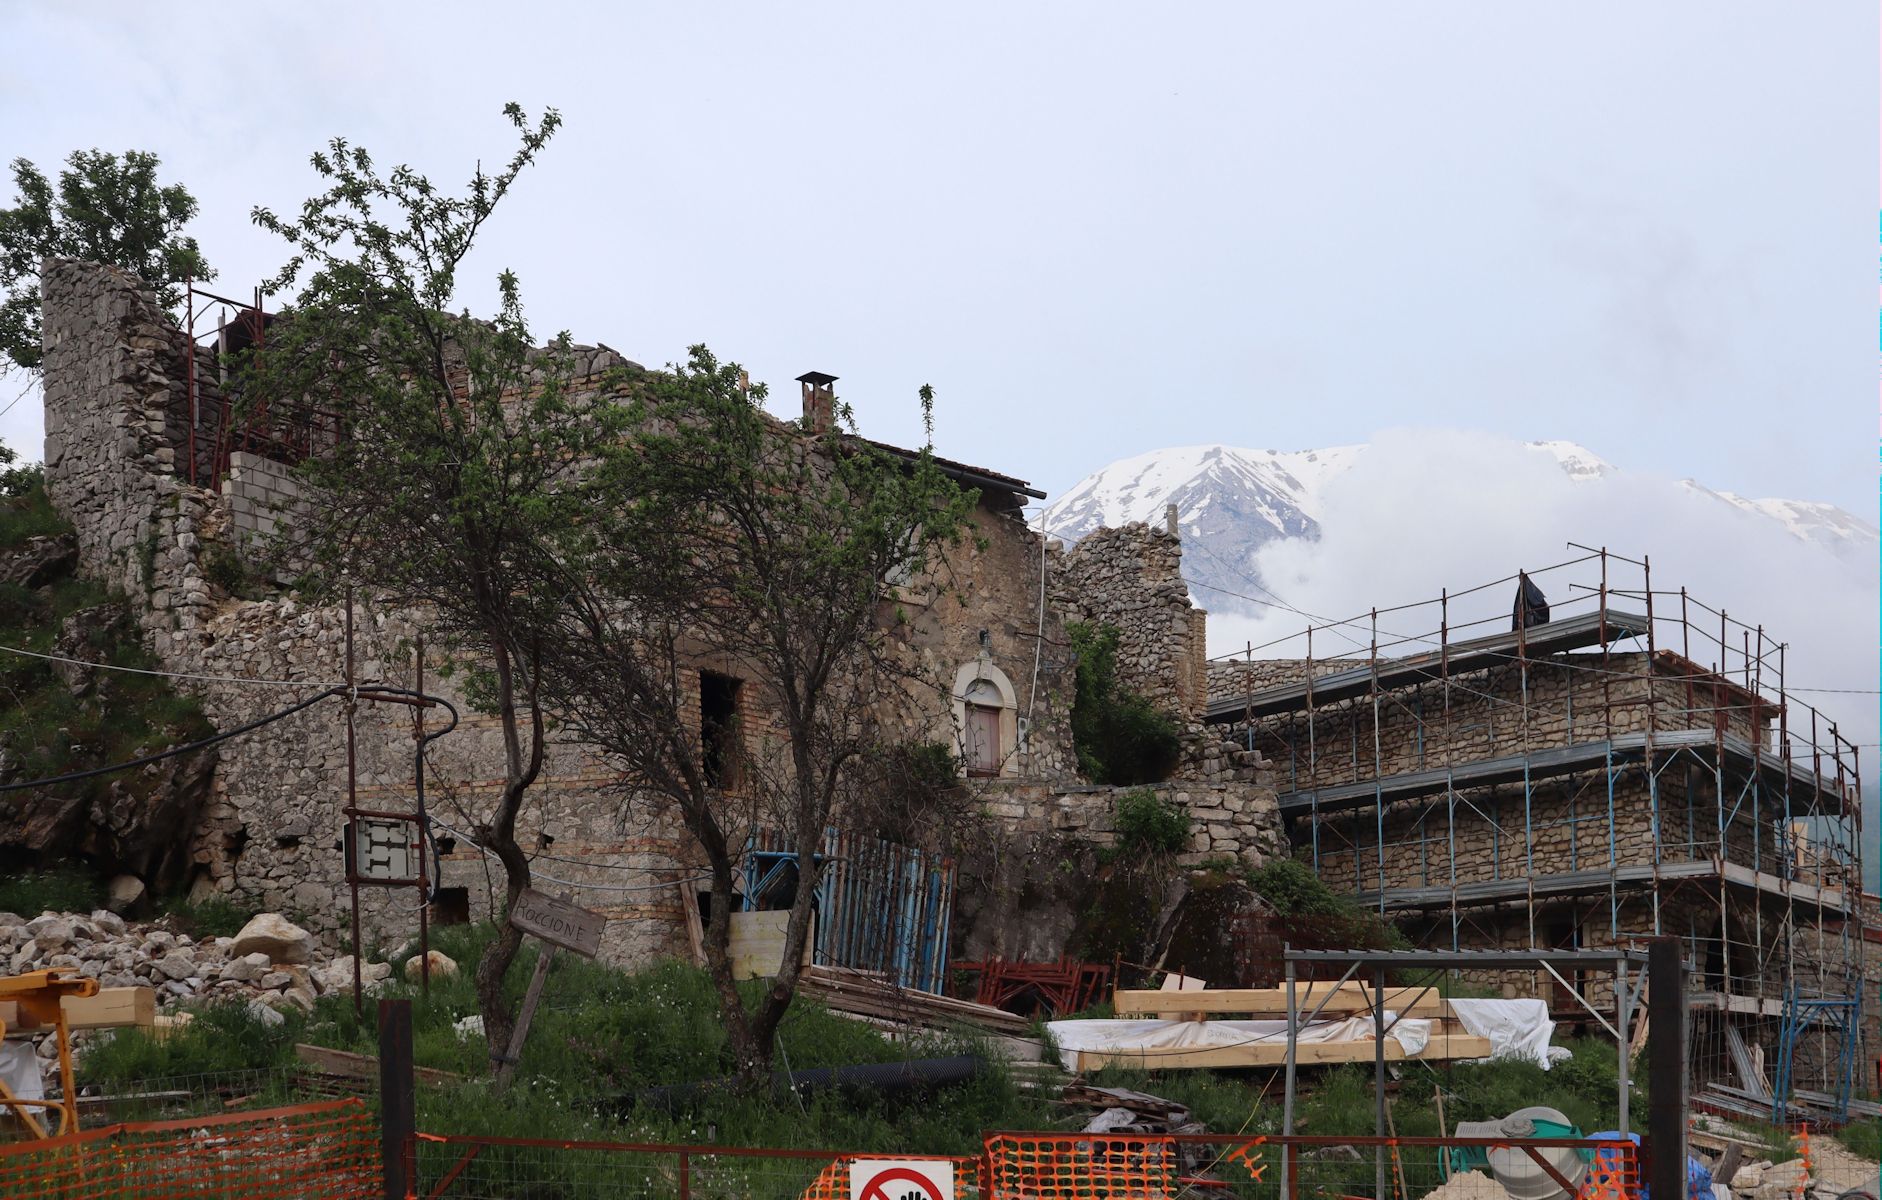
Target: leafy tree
458, 450
734, 542
1120, 736
106, 209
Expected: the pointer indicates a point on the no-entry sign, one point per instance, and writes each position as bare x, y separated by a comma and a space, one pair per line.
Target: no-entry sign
901, 1179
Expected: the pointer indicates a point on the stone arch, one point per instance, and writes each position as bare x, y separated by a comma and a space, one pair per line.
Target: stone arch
982, 685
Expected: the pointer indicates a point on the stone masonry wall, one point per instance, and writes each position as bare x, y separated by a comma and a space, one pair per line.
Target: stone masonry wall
1131, 577
270, 833
1565, 700
1023, 889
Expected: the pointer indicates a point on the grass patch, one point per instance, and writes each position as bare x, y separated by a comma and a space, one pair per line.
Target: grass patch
211, 917
59, 889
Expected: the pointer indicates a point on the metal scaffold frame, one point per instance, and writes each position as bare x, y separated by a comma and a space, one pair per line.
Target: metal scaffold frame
1741, 803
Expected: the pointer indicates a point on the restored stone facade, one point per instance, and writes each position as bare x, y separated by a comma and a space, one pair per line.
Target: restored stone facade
118, 424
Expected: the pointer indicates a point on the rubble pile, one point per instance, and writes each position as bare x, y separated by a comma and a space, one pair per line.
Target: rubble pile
270, 964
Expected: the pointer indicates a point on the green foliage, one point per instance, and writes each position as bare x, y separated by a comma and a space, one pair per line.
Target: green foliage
1120, 736
56, 889
214, 916
1862, 1136
220, 1038
1290, 886
106, 209
45, 729
225, 568
1148, 824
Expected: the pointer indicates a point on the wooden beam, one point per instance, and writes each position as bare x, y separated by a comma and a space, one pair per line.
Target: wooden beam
1274, 1054
1344, 1001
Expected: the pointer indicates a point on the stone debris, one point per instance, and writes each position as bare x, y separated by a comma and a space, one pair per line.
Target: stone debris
181, 968
274, 935
443, 966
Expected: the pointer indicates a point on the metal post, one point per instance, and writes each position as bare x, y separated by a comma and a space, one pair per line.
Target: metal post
1378, 1081
1624, 1036
351, 841
1287, 1090
1666, 1064
424, 831
397, 1100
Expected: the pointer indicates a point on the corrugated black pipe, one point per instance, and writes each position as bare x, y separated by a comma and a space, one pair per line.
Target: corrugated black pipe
880, 1079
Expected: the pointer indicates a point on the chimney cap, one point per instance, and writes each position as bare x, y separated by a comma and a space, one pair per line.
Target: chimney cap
816, 378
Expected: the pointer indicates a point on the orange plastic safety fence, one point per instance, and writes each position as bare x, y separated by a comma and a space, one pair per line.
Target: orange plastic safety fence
1057, 1167
1096, 1166
326, 1151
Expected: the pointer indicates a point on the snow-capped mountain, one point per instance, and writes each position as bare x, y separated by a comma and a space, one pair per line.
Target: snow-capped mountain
1232, 502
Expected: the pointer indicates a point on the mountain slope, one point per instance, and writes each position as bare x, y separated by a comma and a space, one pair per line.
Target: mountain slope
1232, 502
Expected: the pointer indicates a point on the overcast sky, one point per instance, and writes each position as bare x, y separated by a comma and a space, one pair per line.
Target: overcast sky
1102, 229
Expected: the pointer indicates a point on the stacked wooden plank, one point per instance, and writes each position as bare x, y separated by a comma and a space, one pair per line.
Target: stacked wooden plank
868, 993
1334, 1001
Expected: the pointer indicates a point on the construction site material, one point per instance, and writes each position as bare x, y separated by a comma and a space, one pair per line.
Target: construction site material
363, 1069
1332, 999
1516, 1169
871, 995
38, 1000
756, 943
108, 1008
1552, 785
1054, 988
1189, 1045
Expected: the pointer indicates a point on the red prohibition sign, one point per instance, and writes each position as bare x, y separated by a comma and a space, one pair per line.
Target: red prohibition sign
876, 1188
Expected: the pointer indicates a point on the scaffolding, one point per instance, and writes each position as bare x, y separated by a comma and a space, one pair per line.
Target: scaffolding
1618, 762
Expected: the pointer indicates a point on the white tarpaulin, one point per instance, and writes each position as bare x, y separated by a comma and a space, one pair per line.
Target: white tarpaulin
19, 1067
1516, 1028
1149, 1038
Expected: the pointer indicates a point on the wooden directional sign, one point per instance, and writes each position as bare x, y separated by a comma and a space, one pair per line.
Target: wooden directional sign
559, 922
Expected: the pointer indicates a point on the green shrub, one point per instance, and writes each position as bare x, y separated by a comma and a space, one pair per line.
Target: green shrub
1291, 887
58, 889
1147, 824
225, 568
1119, 735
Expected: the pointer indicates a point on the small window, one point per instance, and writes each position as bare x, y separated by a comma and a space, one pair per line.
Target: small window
452, 906
718, 728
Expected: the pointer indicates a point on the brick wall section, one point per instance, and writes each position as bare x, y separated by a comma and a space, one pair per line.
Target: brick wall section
262, 495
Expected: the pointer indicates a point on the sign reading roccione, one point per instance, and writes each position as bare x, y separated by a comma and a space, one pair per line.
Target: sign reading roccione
901, 1179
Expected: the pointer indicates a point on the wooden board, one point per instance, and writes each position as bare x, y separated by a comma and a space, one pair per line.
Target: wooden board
559, 922
111, 1008
757, 943
1274, 1054
1271, 1003
346, 1065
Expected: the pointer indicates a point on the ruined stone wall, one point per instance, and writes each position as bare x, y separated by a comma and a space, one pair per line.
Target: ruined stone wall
1025, 888
1131, 577
269, 833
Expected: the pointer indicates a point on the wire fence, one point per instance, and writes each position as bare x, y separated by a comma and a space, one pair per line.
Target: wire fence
493, 1168
326, 1151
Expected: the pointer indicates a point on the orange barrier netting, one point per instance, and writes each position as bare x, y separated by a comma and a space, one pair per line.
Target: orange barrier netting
1096, 1166
326, 1151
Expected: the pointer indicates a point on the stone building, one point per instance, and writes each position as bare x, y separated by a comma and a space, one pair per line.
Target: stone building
142, 459
1571, 783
